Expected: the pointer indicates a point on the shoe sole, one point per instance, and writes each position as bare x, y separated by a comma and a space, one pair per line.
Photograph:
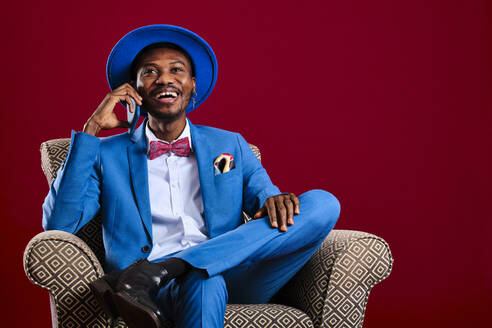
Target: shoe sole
135, 314
103, 293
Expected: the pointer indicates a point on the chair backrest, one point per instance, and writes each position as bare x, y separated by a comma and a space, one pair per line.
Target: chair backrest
53, 154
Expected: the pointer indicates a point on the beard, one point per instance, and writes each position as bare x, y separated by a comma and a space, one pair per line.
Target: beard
168, 117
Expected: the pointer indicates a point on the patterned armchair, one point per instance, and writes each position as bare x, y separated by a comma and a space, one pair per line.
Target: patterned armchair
331, 290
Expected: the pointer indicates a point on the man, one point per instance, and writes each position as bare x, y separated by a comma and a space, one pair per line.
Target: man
171, 194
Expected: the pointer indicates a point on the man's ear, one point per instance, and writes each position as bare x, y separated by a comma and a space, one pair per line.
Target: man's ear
194, 84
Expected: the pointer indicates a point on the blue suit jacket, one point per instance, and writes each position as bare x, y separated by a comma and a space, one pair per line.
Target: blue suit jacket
110, 175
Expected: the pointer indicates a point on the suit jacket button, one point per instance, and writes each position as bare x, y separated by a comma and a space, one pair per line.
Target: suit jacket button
146, 249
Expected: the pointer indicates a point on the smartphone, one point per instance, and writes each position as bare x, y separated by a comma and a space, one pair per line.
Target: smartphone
132, 118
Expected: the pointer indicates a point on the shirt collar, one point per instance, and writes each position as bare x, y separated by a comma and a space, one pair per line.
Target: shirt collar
150, 136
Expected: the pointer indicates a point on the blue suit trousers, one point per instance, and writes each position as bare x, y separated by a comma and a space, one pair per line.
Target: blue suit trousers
198, 298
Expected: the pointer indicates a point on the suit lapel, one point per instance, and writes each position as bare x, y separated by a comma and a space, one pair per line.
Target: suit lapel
201, 147
137, 159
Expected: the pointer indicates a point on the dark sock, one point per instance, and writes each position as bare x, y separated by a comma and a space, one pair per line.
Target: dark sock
174, 267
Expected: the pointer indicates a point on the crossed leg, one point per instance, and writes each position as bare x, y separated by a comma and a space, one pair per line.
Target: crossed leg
198, 298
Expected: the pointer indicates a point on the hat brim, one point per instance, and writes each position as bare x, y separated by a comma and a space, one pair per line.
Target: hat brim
202, 55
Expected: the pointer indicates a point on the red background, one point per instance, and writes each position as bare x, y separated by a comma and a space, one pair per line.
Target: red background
394, 94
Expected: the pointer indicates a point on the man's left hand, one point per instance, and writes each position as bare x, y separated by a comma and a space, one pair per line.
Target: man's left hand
280, 209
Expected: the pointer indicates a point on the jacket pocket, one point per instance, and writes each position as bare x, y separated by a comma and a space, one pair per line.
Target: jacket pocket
227, 175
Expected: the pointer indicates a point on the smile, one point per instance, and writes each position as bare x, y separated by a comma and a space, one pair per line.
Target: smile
167, 97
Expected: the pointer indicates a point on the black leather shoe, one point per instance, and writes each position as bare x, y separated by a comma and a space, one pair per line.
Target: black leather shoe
136, 292
103, 290
138, 310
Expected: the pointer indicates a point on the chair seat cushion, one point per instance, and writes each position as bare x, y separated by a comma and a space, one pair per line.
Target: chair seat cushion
258, 316
265, 316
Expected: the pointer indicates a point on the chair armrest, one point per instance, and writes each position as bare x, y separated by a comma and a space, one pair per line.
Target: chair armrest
334, 285
64, 265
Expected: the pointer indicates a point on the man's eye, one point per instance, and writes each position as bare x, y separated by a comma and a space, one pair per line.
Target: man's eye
149, 71
177, 69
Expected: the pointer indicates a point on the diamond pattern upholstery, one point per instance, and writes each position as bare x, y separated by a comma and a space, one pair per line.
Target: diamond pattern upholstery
331, 290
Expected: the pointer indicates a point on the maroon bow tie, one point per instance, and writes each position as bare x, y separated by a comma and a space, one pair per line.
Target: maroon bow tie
180, 147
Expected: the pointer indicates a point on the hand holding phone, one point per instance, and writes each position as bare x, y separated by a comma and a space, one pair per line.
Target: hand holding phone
104, 117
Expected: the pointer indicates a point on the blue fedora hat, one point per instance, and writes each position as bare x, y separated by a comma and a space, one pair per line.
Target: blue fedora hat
202, 55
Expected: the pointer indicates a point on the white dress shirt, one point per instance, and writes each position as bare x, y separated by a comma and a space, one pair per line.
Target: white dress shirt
175, 200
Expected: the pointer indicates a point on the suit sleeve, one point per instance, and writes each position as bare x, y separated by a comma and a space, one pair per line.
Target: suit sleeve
257, 186
73, 199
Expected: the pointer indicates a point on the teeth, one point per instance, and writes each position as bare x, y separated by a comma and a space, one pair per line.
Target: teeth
167, 93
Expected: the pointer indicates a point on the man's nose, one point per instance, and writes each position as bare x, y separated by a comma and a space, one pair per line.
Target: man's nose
164, 78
